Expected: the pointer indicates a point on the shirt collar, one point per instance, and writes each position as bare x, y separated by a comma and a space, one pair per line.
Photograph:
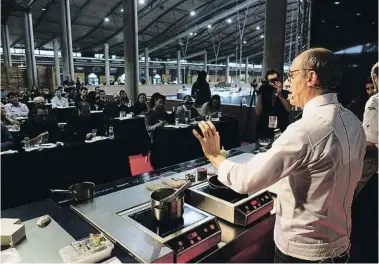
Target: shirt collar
324, 99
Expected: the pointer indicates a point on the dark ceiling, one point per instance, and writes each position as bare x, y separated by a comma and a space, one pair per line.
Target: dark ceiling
334, 26
338, 25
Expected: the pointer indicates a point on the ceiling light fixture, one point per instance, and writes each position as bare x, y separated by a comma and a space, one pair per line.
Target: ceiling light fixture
322, 21
229, 20
192, 13
358, 14
262, 36
244, 42
337, 26
195, 34
122, 10
337, 2
209, 26
106, 19
191, 34
43, 9
141, 2
258, 28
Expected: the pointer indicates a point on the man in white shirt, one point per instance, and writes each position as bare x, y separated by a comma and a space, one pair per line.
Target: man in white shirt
14, 108
370, 126
318, 159
59, 100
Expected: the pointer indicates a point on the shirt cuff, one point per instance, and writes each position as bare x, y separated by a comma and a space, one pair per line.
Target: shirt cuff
224, 172
371, 137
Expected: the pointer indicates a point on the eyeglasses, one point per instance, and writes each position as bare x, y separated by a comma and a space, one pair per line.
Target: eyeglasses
290, 75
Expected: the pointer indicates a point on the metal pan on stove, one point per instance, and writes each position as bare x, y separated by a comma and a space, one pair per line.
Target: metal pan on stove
214, 183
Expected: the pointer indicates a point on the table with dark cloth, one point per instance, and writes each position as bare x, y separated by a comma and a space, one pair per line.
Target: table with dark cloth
175, 145
133, 131
28, 176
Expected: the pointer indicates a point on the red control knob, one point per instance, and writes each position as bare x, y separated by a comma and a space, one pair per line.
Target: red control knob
192, 242
180, 243
212, 227
205, 230
198, 238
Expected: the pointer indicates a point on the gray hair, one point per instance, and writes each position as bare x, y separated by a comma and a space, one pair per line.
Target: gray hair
326, 66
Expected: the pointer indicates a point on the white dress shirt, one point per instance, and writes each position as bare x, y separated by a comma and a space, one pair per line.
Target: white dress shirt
319, 161
59, 102
370, 119
19, 110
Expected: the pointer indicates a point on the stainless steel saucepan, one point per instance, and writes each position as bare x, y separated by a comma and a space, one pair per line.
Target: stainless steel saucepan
164, 211
79, 191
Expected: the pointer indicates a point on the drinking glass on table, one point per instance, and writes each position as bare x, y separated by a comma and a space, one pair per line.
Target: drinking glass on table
219, 114
176, 121
94, 132
26, 143
186, 119
122, 114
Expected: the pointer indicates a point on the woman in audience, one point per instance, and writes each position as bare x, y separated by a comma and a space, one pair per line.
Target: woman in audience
211, 107
35, 91
141, 106
153, 98
28, 96
124, 98
80, 126
200, 89
157, 116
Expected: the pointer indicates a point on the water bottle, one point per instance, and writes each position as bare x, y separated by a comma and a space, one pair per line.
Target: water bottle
111, 132
244, 101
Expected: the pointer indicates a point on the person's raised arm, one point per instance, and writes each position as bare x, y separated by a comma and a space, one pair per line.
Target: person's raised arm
263, 169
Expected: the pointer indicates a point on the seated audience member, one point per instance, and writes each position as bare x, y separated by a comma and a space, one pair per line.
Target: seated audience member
152, 99
35, 91
28, 96
78, 83
40, 124
79, 127
14, 108
113, 109
7, 141
91, 99
59, 100
124, 98
101, 101
211, 107
6, 119
97, 91
4, 94
39, 100
47, 95
20, 95
157, 116
69, 81
141, 106
186, 110
70, 95
82, 96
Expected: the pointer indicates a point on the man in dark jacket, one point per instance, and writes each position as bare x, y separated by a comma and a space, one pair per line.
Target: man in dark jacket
7, 141
186, 110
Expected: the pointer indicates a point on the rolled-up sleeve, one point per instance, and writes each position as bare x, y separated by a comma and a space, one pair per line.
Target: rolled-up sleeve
265, 169
370, 120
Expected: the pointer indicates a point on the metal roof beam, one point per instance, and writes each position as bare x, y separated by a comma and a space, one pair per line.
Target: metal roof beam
203, 24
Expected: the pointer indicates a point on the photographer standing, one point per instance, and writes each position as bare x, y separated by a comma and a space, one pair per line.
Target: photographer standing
272, 107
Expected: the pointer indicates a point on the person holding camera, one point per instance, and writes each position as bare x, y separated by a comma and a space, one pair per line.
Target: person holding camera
272, 106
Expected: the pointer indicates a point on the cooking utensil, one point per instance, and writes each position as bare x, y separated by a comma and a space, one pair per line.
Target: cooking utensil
214, 183
169, 210
79, 191
177, 193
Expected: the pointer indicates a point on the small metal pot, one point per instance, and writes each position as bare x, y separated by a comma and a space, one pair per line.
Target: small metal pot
79, 191
168, 210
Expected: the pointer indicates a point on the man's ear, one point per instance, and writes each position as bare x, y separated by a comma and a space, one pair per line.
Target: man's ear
312, 78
